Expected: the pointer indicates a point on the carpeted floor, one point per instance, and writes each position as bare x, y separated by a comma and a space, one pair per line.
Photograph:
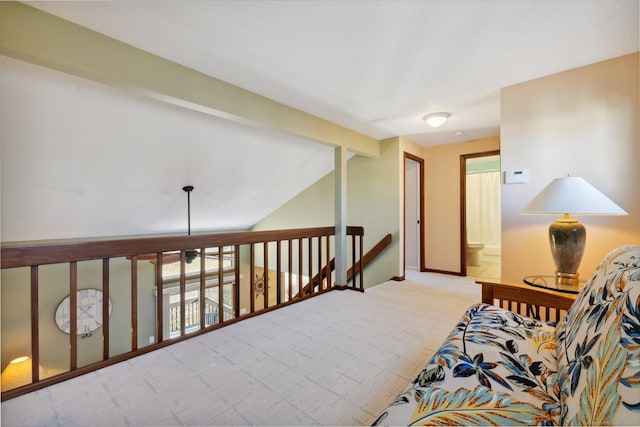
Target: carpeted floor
337, 359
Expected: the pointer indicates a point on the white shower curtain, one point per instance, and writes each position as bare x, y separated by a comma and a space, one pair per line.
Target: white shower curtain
483, 209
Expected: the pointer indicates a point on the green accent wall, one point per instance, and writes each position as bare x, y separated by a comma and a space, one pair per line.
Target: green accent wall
373, 201
53, 288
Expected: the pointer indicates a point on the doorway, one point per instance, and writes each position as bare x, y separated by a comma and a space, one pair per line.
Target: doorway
413, 213
480, 215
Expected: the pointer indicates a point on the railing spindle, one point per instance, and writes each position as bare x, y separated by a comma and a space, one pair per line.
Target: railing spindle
278, 273
310, 242
105, 308
328, 266
159, 304
35, 326
353, 259
236, 285
134, 303
290, 267
300, 268
252, 273
183, 287
220, 285
73, 313
265, 273
203, 280
320, 281
361, 240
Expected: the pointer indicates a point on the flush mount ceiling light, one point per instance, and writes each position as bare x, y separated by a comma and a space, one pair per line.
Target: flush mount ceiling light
436, 119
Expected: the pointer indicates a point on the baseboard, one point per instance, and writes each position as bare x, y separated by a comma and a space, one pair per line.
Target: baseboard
397, 278
451, 273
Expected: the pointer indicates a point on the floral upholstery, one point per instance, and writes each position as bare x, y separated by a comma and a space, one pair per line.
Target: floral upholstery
500, 368
599, 346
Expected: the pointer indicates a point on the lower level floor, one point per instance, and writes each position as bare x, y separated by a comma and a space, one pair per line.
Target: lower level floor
337, 359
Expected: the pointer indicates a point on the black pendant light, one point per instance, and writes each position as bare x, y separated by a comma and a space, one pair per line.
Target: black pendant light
191, 254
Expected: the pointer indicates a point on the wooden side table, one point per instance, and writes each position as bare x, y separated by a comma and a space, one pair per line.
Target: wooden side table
549, 282
535, 302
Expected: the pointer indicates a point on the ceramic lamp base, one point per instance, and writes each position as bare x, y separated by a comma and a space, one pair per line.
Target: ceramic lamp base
567, 279
567, 238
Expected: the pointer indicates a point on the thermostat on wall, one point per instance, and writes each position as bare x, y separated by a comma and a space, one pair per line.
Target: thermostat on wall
519, 176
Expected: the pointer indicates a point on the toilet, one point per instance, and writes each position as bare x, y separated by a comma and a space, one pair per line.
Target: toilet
473, 253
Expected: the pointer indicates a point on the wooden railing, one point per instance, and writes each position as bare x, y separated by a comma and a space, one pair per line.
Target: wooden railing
356, 269
287, 259
537, 303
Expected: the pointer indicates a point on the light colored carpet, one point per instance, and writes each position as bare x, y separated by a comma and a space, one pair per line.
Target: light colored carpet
337, 359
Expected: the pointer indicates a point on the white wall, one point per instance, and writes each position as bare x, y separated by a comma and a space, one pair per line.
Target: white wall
81, 159
583, 122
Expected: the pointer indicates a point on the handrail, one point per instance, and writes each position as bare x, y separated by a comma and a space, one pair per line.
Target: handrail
366, 259
52, 253
314, 255
372, 253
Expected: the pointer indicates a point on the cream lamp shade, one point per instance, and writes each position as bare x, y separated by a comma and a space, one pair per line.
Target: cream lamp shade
18, 373
569, 195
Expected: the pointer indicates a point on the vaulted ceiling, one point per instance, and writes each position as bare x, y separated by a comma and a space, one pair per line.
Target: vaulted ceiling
374, 66
75, 149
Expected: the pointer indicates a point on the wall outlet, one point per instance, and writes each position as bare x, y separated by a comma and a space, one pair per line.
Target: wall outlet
152, 339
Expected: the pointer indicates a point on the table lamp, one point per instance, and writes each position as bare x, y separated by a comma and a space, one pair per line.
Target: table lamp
17, 373
564, 196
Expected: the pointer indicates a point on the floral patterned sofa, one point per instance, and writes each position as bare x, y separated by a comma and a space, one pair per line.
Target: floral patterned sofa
501, 368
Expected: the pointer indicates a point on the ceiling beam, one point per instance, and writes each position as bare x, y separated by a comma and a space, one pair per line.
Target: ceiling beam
34, 36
